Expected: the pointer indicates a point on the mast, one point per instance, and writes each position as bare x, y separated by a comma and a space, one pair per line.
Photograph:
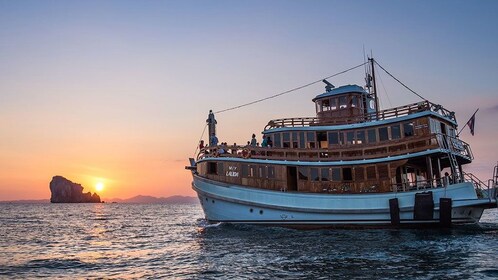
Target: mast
372, 64
211, 122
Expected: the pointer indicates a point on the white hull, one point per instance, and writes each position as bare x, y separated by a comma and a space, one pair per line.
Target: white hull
237, 204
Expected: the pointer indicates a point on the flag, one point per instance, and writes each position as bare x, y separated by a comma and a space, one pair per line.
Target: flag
471, 123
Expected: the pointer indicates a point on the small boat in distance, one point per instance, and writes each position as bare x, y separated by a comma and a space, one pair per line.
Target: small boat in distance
350, 165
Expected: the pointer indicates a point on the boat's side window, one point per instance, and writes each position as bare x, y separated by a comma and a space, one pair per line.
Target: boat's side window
355, 101
395, 132
371, 173
349, 137
359, 173
343, 102
347, 174
314, 174
336, 174
325, 105
276, 140
271, 172
383, 135
372, 135
286, 139
220, 168
302, 140
245, 172
333, 138
303, 173
325, 174
252, 171
310, 143
408, 129
322, 140
261, 171
333, 103
294, 140
360, 137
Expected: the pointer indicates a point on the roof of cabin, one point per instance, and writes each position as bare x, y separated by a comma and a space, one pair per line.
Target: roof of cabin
341, 90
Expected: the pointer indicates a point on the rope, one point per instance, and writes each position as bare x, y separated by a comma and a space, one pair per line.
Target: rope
400, 81
202, 135
289, 91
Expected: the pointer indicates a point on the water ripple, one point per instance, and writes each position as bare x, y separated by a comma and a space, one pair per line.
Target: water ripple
122, 241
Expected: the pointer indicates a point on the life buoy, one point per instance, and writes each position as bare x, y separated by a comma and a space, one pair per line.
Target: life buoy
246, 153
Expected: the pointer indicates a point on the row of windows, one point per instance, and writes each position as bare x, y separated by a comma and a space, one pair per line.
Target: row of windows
247, 170
338, 174
323, 139
341, 102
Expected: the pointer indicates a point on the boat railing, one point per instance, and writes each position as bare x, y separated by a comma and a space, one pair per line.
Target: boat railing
455, 145
381, 115
483, 190
344, 152
420, 184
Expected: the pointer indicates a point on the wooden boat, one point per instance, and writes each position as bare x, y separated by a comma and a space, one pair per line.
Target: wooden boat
351, 165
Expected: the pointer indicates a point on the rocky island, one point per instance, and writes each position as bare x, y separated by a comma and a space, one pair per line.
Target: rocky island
65, 191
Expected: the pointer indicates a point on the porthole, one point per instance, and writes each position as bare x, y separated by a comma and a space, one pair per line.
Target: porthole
261, 212
251, 210
212, 201
206, 199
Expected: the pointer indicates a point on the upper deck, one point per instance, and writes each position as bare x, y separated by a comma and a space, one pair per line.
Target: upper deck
388, 114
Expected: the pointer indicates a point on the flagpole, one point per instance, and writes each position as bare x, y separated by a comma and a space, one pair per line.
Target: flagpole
467, 123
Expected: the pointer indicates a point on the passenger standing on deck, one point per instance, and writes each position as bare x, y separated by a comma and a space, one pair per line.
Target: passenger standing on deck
264, 143
269, 142
213, 141
253, 140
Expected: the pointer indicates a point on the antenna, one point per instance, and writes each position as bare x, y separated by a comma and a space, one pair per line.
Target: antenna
329, 86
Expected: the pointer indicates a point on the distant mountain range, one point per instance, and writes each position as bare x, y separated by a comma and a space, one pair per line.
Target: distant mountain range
135, 199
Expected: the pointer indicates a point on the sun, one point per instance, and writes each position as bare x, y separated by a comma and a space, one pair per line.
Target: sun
99, 186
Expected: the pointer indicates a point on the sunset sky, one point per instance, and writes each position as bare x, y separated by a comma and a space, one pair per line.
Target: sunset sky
118, 92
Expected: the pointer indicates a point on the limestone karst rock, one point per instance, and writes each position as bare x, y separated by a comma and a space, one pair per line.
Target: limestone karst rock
65, 191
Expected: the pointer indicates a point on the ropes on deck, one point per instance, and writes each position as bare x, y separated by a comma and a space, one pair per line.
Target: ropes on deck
289, 91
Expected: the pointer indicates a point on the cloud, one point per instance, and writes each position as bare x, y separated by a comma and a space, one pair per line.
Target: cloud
493, 109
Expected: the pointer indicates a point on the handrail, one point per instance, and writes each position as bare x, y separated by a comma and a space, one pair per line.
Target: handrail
381, 115
346, 152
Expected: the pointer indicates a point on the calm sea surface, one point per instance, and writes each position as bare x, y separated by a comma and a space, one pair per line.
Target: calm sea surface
173, 241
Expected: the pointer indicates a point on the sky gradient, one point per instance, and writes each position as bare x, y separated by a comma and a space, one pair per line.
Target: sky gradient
119, 91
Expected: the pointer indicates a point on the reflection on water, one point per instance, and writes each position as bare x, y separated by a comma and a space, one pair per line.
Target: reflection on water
166, 241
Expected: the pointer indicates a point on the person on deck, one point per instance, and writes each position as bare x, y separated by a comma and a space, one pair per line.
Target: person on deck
264, 143
213, 141
253, 140
269, 142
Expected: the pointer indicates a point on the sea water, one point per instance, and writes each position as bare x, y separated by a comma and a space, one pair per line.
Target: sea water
172, 241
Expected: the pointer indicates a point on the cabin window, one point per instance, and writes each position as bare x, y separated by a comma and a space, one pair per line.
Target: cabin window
333, 138
359, 174
322, 140
294, 140
310, 144
261, 172
408, 129
372, 135
355, 101
336, 174
435, 126
314, 174
212, 168
395, 132
325, 174
343, 102
245, 171
271, 172
276, 140
302, 142
286, 139
252, 171
349, 137
383, 171
303, 173
333, 103
360, 137
325, 105
371, 174
347, 174
383, 135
